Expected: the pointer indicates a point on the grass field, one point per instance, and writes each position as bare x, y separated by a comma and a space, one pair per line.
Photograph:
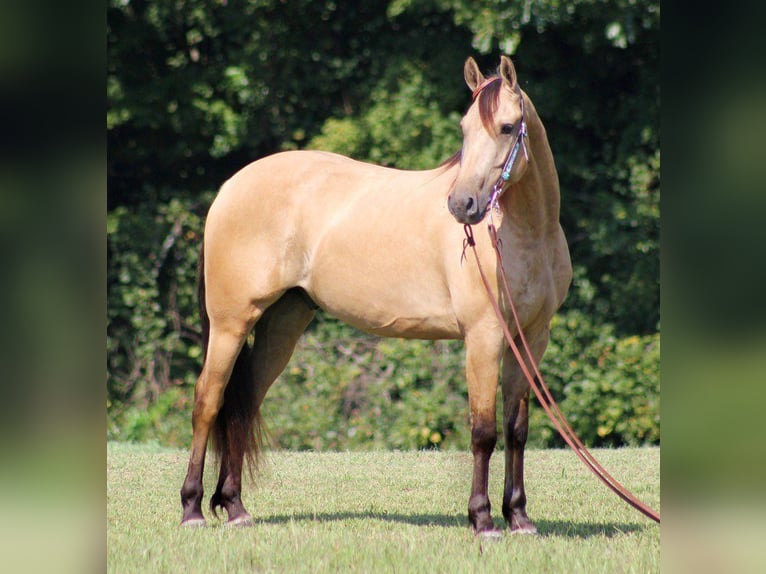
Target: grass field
381, 512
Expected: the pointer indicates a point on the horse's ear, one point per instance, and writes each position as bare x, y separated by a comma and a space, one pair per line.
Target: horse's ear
473, 77
507, 71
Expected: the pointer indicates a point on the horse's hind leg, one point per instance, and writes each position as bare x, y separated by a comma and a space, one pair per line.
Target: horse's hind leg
223, 348
276, 335
233, 435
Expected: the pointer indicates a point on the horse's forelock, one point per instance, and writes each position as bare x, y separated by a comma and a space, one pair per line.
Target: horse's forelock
488, 96
489, 100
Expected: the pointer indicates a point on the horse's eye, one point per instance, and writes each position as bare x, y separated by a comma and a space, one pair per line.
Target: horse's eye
506, 129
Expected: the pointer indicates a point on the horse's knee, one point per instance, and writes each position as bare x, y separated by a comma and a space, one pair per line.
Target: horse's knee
516, 420
521, 424
520, 432
483, 435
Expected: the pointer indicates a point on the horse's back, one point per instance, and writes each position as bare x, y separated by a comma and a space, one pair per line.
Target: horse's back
288, 173
316, 187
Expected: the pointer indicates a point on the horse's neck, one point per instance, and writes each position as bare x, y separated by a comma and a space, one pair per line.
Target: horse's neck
533, 202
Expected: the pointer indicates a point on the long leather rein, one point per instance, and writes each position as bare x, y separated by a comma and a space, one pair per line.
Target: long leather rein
536, 382
541, 390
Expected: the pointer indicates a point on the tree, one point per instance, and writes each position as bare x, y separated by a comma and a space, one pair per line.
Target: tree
198, 89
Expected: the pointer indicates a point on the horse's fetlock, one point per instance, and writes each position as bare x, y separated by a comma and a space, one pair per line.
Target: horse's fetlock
479, 505
479, 513
513, 502
190, 493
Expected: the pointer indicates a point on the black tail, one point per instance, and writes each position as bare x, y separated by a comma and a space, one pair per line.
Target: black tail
237, 431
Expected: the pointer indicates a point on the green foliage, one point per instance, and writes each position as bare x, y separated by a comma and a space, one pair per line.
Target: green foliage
153, 338
404, 127
165, 419
598, 96
197, 89
345, 389
608, 387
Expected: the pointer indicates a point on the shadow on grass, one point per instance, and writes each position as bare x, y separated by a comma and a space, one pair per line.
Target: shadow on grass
546, 528
565, 529
416, 519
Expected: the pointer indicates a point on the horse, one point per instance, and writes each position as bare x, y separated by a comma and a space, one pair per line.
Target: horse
383, 250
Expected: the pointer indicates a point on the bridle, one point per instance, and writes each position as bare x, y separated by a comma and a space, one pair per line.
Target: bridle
528, 363
518, 143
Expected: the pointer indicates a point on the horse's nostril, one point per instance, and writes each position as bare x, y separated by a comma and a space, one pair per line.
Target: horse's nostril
469, 206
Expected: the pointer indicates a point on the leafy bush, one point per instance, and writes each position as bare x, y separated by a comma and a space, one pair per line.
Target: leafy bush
348, 390
405, 127
153, 337
166, 420
607, 387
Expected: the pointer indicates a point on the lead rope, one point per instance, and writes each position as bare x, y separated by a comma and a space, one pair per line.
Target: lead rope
541, 390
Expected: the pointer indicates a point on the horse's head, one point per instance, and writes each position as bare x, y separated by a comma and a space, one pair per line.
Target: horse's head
494, 154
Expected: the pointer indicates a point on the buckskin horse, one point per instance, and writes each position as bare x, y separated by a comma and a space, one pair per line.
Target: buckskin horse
383, 250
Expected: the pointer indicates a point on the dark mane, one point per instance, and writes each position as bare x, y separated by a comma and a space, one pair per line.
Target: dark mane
452, 160
489, 100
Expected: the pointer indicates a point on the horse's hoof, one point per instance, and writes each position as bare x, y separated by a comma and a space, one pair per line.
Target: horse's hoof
490, 535
195, 522
240, 521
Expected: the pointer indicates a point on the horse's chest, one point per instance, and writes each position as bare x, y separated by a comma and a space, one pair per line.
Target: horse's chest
531, 279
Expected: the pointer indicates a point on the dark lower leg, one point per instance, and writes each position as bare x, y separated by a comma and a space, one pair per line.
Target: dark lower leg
228, 491
191, 490
514, 497
483, 439
206, 406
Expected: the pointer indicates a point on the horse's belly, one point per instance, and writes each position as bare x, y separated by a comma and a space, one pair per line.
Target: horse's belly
433, 327
384, 302
381, 314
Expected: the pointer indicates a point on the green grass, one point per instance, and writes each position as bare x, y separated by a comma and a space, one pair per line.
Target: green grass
381, 512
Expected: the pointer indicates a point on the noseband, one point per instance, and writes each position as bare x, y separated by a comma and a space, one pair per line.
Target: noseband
518, 142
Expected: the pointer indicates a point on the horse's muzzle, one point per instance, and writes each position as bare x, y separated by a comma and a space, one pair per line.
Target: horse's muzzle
467, 209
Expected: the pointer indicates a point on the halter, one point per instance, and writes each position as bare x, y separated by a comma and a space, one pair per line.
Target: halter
521, 132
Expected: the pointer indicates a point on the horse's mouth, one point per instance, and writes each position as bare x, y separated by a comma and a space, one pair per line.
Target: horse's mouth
475, 218
471, 216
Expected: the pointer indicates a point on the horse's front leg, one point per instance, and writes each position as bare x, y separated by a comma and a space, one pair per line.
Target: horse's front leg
515, 428
482, 368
